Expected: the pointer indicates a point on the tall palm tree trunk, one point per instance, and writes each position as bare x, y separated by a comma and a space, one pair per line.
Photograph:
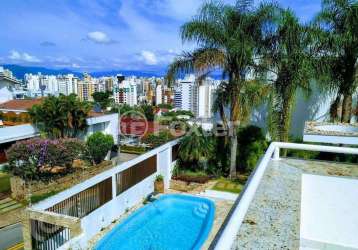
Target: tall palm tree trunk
285, 121
233, 132
233, 154
334, 108
347, 108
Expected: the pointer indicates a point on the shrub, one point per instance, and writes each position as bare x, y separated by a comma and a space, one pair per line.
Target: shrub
159, 178
154, 140
98, 146
35, 159
251, 146
76, 148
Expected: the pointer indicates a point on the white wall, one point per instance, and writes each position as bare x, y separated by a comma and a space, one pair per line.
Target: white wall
109, 125
103, 216
329, 218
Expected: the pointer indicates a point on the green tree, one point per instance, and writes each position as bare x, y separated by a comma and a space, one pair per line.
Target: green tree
289, 66
102, 98
338, 48
252, 145
98, 146
148, 112
195, 147
59, 117
228, 37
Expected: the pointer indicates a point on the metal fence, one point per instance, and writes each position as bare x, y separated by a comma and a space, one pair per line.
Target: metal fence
135, 174
47, 236
83, 203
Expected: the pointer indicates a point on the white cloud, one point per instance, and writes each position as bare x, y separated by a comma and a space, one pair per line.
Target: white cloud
18, 56
99, 37
149, 57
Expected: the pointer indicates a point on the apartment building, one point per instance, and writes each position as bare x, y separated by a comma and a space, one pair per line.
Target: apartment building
126, 93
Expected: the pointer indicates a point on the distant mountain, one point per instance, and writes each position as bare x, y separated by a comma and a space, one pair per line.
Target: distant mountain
128, 73
19, 71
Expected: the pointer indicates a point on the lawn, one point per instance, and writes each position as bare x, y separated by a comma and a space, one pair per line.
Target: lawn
225, 185
4, 183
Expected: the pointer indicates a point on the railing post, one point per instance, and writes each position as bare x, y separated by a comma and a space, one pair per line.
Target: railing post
114, 186
276, 154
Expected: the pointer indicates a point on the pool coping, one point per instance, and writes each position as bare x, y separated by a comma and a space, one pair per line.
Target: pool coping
125, 218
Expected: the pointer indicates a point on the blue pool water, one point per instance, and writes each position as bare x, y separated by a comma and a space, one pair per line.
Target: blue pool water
171, 222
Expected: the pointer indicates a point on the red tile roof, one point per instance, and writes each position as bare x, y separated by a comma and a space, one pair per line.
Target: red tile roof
138, 126
24, 104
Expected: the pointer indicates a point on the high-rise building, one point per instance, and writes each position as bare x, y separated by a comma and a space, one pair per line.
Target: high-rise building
158, 94
86, 88
186, 95
126, 93
67, 84
205, 100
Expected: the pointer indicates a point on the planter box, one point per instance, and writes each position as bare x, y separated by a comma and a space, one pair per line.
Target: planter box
159, 186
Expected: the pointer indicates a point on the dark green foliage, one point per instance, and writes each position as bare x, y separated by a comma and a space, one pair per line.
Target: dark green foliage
132, 149
148, 112
251, 146
59, 117
102, 98
196, 149
156, 139
165, 106
287, 58
98, 146
337, 40
177, 113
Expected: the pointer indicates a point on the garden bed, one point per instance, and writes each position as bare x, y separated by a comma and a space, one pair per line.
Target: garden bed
43, 189
191, 178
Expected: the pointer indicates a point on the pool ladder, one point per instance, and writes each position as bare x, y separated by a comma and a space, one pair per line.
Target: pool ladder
201, 210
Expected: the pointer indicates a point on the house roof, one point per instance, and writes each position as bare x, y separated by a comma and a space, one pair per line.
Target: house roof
138, 126
20, 105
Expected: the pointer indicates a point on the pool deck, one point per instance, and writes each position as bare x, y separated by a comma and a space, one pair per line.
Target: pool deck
273, 218
222, 208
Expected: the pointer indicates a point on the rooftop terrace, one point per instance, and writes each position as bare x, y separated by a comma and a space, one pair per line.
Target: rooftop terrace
295, 204
273, 219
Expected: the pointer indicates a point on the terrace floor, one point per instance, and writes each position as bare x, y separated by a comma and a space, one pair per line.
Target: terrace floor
273, 218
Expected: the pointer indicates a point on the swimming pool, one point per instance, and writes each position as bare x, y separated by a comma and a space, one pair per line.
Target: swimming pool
171, 222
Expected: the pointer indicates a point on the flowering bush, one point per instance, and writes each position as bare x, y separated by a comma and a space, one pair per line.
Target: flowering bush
41, 158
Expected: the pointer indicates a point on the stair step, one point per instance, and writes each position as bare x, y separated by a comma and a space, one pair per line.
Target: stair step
6, 200
10, 203
18, 246
198, 214
7, 209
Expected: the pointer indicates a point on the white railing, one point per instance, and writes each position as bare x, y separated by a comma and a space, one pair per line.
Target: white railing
226, 237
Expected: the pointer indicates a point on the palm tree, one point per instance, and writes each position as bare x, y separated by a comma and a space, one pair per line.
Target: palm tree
338, 44
63, 116
227, 37
195, 147
289, 65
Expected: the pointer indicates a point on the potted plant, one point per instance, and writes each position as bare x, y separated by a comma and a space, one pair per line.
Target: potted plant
159, 184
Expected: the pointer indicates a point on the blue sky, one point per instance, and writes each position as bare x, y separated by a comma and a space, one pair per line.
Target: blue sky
97, 35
